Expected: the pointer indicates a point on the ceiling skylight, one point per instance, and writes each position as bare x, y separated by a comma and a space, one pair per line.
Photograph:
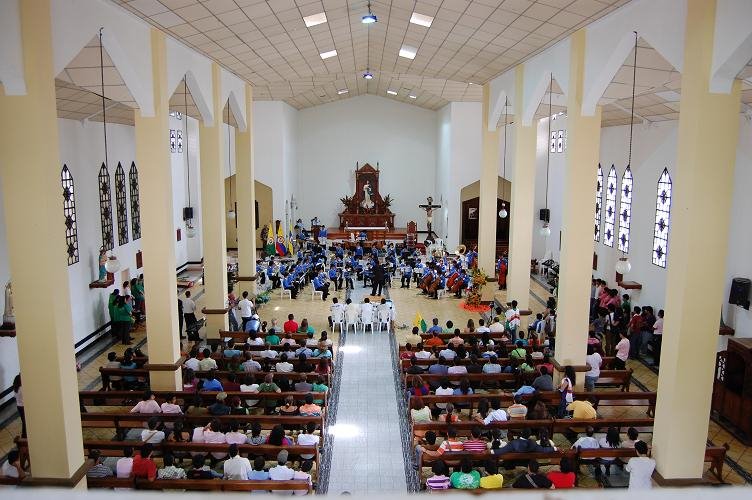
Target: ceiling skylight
408, 52
421, 20
327, 55
315, 19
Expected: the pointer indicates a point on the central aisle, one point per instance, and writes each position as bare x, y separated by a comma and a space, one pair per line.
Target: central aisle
367, 451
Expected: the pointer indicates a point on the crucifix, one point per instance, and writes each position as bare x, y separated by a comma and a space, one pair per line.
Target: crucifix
429, 208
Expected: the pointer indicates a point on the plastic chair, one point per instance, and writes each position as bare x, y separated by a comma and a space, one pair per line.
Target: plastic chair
314, 292
338, 318
283, 292
366, 318
351, 319
385, 318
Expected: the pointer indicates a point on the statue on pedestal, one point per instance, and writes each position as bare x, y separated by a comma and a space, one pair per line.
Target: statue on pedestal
9, 318
102, 262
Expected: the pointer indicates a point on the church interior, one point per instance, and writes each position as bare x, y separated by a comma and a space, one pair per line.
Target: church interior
434, 240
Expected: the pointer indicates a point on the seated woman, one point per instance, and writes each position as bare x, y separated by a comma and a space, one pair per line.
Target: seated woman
610, 440
565, 477
277, 437
449, 416
419, 412
288, 409
408, 352
439, 480
419, 387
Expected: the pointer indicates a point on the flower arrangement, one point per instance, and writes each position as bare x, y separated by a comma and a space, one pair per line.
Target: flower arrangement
478, 280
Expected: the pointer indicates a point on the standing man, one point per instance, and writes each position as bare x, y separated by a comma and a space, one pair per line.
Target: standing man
232, 304
189, 313
378, 278
513, 319
246, 310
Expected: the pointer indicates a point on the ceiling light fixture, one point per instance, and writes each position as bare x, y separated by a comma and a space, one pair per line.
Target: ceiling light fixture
342, 91
421, 20
408, 52
327, 55
314, 19
369, 18
368, 75
411, 96
391, 92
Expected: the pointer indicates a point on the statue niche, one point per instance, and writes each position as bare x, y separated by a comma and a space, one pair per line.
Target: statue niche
366, 208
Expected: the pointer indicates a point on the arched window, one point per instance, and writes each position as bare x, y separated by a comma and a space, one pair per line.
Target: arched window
611, 189
135, 202
69, 211
625, 210
598, 203
105, 208
662, 219
121, 204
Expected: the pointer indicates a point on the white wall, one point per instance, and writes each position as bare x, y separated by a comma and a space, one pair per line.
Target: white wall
443, 191
366, 129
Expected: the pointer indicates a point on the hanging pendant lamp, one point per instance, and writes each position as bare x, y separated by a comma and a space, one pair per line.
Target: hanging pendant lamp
503, 212
545, 230
623, 266
230, 213
190, 230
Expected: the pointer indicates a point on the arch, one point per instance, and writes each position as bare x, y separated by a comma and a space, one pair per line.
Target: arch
69, 212
233, 91
732, 43
662, 219
610, 219
538, 72
197, 71
625, 209
501, 89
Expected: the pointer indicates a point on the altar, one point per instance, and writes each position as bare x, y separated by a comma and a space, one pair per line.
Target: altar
366, 208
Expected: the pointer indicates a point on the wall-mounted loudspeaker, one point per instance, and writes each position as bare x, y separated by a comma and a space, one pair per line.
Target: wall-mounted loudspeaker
739, 294
187, 213
545, 215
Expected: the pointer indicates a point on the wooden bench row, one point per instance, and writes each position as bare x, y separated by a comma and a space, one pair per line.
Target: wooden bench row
129, 398
405, 363
619, 378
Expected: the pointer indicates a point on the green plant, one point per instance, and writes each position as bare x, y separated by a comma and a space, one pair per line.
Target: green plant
388, 200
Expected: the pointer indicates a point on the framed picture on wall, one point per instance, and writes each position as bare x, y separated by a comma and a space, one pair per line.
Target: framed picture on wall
472, 213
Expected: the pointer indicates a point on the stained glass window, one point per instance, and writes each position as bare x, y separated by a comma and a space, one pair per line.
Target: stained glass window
560, 141
105, 208
625, 210
608, 227
598, 204
553, 141
135, 202
173, 141
121, 205
662, 219
69, 211
180, 140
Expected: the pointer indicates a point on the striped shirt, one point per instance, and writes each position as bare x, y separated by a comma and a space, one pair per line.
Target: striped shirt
437, 483
474, 446
99, 470
448, 445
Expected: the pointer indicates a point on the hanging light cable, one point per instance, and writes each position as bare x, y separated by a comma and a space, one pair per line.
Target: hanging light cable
623, 266
546, 229
503, 212
190, 231
368, 75
230, 213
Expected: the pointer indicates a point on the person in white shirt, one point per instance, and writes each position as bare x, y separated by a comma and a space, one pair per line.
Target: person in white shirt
444, 389
256, 341
147, 404
308, 438
587, 442
284, 366
268, 352
352, 311
192, 362
496, 414
482, 328
249, 385
170, 406
124, 466
215, 436
281, 472
640, 468
189, 315
513, 317
658, 338
422, 352
496, 326
448, 354
246, 310
367, 311
456, 369
236, 467
337, 311
152, 435
593, 360
303, 474
12, 466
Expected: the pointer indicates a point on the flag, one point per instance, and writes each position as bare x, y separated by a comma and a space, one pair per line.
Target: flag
270, 248
281, 248
420, 322
289, 242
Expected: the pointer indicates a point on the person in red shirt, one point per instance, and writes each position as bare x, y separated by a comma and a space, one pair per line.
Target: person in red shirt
563, 478
290, 325
143, 465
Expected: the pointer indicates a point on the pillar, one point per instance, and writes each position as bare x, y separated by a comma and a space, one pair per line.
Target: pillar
703, 187
583, 150
522, 202
32, 194
213, 216
158, 227
489, 184
244, 182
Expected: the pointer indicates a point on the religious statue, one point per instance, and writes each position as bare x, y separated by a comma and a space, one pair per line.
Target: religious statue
429, 208
9, 318
102, 262
367, 203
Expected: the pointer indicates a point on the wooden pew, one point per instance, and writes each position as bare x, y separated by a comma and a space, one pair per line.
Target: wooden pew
198, 484
242, 337
129, 398
405, 363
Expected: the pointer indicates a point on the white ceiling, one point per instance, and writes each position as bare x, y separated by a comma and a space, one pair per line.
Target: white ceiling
266, 42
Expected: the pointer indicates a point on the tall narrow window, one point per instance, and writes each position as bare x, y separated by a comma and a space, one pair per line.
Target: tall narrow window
69, 211
180, 140
662, 219
608, 227
625, 210
553, 141
121, 205
173, 141
105, 208
560, 141
135, 202
598, 204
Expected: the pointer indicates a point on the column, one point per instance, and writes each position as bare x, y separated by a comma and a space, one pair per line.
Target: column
158, 228
522, 203
582, 154
489, 184
703, 187
246, 213
37, 255
213, 217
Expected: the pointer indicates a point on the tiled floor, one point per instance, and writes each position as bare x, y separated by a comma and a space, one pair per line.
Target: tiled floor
367, 451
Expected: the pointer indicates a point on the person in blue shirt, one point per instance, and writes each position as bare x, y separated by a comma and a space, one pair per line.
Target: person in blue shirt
339, 251
230, 350
289, 284
347, 277
211, 383
321, 285
435, 327
335, 277
253, 325
407, 273
359, 251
